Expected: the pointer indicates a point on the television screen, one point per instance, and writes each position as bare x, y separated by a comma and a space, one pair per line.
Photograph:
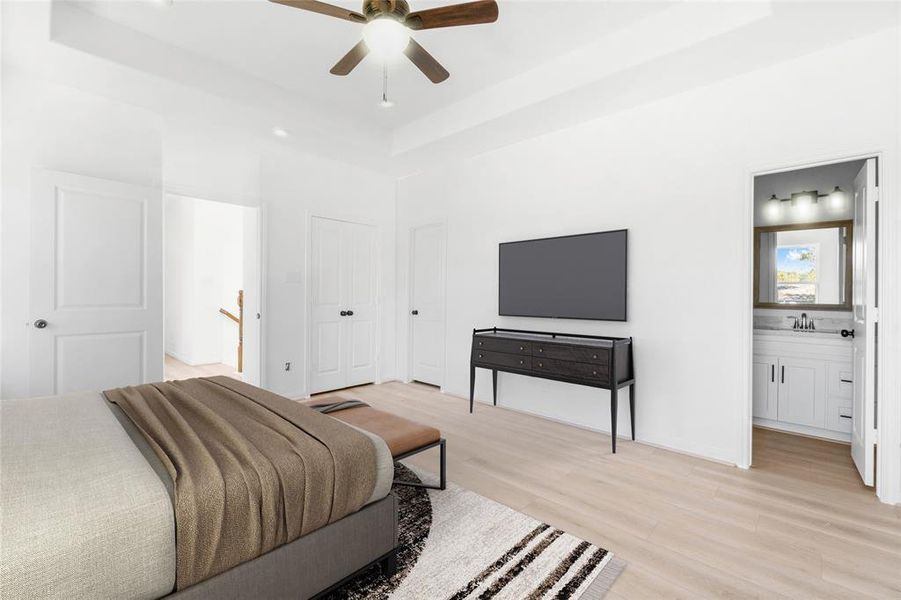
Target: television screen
570, 277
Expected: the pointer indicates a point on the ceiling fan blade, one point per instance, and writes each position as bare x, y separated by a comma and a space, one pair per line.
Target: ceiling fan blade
426, 63
324, 9
470, 13
350, 60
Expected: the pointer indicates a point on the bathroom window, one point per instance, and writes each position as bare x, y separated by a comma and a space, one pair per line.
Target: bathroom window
796, 274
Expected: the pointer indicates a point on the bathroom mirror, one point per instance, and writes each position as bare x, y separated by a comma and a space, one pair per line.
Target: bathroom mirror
805, 266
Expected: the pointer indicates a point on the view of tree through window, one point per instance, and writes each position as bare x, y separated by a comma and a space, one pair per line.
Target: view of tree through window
796, 274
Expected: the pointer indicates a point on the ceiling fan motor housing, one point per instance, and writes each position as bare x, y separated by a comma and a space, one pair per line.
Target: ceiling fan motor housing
397, 9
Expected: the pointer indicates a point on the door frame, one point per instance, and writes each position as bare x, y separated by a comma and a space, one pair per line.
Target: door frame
888, 299
308, 292
410, 283
262, 256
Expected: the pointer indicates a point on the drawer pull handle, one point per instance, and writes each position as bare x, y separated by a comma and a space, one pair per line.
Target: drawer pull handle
847, 381
594, 356
845, 416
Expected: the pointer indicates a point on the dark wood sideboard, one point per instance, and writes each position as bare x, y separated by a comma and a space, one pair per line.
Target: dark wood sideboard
595, 361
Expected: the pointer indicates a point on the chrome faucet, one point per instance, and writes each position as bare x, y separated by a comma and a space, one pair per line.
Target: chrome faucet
802, 323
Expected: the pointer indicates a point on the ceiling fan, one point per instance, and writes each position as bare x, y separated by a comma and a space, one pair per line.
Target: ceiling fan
387, 25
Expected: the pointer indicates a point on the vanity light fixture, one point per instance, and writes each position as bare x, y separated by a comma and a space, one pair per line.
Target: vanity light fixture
804, 200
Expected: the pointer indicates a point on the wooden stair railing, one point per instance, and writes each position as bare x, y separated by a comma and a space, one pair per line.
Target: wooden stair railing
240, 321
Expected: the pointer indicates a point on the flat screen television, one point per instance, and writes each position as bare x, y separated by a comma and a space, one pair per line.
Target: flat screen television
569, 277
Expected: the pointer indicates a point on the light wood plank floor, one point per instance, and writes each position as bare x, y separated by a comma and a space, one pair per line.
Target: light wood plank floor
175, 369
798, 525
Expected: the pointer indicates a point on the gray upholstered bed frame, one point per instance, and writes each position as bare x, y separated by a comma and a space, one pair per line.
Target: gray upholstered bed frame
311, 564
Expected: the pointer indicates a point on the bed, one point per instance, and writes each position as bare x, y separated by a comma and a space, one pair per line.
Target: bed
88, 511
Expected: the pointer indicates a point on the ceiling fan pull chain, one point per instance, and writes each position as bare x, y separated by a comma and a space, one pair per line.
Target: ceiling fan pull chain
385, 102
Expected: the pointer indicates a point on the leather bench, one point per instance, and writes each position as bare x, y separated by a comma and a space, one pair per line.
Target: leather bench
404, 437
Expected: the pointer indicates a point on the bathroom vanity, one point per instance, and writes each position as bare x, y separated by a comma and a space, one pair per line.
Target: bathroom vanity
802, 382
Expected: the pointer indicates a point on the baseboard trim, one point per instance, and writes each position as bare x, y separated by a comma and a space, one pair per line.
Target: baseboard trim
619, 436
835, 437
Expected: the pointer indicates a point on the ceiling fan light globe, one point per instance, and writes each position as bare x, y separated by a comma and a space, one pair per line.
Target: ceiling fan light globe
385, 37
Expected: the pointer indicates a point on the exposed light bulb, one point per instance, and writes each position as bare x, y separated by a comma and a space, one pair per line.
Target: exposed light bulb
837, 198
385, 37
773, 207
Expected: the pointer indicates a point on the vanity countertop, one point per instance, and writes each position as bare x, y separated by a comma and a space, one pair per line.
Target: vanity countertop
819, 335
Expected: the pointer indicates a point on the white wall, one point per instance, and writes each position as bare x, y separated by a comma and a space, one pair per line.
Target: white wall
676, 173
293, 192
61, 128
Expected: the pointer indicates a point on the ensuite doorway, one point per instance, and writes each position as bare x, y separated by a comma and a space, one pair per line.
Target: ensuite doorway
211, 274
814, 320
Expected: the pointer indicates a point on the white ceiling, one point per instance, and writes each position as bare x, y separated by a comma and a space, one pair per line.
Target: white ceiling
294, 49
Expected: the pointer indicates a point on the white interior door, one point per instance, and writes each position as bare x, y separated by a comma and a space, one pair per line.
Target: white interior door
344, 327
328, 280
96, 284
361, 304
427, 299
863, 430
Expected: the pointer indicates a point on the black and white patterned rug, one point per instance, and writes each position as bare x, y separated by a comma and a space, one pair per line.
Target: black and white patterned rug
456, 545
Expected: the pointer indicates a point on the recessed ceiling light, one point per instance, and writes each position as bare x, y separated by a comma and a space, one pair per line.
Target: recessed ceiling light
279, 132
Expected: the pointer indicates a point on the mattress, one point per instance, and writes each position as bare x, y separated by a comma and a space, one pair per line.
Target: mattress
85, 507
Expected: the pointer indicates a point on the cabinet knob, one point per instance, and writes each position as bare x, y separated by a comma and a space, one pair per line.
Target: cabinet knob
541, 349
521, 348
480, 343
480, 356
594, 372
540, 364
520, 362
594, 356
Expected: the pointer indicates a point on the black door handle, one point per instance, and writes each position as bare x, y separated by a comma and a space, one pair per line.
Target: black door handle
783, 373
414, 312
847, 333
773, 373
343, 313
350, 313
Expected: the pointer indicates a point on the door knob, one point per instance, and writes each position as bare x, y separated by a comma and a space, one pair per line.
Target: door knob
414, 312
350, 313
343, 313
40, 324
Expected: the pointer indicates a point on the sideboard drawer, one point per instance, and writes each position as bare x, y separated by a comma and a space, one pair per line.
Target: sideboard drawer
574, 370
496, 345
562, 352
501, 359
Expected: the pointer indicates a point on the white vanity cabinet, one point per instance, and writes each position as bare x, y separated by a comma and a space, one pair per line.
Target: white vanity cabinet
802, 383
765, 387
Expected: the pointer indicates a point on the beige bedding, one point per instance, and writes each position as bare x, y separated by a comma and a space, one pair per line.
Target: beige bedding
82, 511
252, 470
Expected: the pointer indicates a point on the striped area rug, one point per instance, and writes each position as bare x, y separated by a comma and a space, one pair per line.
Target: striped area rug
456, 545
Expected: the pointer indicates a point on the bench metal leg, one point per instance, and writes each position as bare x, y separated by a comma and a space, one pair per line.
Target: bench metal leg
442, 448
